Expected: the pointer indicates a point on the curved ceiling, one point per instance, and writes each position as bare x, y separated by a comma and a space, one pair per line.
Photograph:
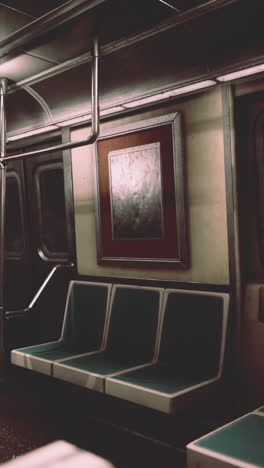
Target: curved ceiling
146, 46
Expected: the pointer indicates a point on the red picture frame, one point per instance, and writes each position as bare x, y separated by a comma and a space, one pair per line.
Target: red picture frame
140, 209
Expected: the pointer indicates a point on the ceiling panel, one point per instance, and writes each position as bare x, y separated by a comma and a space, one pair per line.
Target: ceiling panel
10, 21
74, 38
23, 111
129, 18
242, 38
67, 94
22, 66
126, 74
182, 54
175, 60
34, 8
188, 52
68, 41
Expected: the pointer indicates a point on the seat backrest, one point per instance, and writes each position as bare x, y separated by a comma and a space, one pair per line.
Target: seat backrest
85, 317
132, 330
193, 332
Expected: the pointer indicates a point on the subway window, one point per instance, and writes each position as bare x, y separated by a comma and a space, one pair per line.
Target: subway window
14, 221
49, 185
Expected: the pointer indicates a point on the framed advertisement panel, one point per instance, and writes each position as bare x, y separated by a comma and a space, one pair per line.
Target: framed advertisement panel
140, 193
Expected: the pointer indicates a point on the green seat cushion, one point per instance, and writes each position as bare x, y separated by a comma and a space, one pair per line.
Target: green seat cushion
161, 378
192, 333
85, 317
100, 363
242, 440
190, 345
49, 351
84, 324
132, 333
133, 324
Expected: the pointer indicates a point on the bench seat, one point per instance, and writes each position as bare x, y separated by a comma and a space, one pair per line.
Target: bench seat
41, 357
191, 352
102, 363
239, 443
83, 328
161, 378
131, 338
148, 345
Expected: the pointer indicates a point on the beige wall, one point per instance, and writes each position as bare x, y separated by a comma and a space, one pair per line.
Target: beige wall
205, 184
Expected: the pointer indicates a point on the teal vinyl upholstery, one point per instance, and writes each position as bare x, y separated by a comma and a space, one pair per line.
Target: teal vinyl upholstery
133, 325
131, 336
190, 351
83, 327
241, 440
192, 334
143, 344
50, 351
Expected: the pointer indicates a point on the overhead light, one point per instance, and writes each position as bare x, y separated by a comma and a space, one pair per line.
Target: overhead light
74, 120
118, 108
111, 110
37, 131
172, 92
87, 117
193, 87
241, 73
147, 100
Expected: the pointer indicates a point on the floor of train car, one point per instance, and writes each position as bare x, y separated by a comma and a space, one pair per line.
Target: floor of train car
36, 410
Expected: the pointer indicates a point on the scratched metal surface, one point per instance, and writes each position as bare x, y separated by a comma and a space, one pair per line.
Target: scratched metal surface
136, 192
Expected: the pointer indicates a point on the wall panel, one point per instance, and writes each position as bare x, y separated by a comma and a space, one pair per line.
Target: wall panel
205, 194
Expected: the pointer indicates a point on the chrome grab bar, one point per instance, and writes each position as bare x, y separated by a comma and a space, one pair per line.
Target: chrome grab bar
16, 313
95, 118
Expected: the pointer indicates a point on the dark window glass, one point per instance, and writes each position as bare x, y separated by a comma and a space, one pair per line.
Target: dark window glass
52, 219
14, 226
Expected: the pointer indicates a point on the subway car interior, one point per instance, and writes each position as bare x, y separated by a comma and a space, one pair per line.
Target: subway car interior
131, 223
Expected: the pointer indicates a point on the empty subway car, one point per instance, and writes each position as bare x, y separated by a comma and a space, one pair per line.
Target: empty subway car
131, 223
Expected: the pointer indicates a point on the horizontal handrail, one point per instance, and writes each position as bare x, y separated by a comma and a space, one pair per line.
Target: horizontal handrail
17, 313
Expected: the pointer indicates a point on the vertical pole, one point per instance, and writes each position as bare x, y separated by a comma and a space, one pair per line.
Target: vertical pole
95, 89
235, 367
3, 91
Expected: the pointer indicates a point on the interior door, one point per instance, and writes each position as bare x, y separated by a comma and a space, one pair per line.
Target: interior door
250, 147
39, 235
250, 163
47, 213
18, 287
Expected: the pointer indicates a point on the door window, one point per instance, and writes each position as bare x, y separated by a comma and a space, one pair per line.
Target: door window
14, 222
49, 186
